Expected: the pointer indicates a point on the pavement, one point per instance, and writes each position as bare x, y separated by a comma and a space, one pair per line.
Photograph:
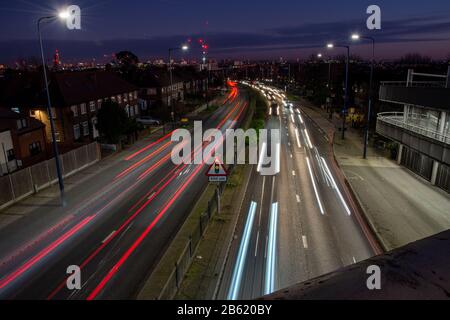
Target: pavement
115, 227
400, 206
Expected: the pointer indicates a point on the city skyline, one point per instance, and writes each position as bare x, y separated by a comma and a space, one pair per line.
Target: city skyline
238, 31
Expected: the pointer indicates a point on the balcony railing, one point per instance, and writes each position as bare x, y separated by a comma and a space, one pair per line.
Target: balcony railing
416, 123
426, 84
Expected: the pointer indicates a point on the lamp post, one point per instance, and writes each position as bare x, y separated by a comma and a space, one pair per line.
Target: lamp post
356, 37
62, 15
331, 46
183, 48
319, 55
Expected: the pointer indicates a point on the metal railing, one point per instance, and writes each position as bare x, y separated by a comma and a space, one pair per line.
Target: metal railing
398, 119
427, 84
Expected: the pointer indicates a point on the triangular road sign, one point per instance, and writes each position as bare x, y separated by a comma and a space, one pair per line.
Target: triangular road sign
217, 169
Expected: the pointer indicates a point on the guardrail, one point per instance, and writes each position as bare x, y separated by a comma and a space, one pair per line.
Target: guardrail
397, 119
429, 84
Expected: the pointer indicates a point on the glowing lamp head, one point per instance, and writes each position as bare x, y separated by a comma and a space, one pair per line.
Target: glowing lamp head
319, 55
355, 36
330, 46
63, 15
185, 47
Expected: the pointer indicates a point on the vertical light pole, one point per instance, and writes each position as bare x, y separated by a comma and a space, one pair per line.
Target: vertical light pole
63, 15
369, 109
319, 55
331, 46
183, 48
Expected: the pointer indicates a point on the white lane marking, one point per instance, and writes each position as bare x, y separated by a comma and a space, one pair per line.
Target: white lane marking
291, 155
314, 186
298, 138
347, 209
257, 241
292, 118
243, 248
271, 250
305, 242
298, 198
261, 154
293, 172
262, 199
109, 236
301, 119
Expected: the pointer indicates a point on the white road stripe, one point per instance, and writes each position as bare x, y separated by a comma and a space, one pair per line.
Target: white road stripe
109, 236
305, 242
298, 198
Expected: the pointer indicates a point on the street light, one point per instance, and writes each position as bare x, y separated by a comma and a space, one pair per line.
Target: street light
319, 55
357, 37
182, 48
63, 15
331, 46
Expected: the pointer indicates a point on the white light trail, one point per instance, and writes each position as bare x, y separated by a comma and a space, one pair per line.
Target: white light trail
239, 267
271, 250
314, 186
308, 139
336, 187
297, 136
300, 118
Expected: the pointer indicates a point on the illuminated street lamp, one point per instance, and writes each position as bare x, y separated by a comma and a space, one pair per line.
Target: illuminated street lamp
63, 15
356, 37
184, 47
331, 46
319, 55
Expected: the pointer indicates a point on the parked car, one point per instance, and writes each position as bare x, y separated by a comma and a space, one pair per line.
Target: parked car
148, 121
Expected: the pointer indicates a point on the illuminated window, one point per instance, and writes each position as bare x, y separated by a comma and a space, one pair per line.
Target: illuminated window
74, 110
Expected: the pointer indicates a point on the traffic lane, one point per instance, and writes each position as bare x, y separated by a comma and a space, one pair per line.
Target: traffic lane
46, 274
113, 275
112, 192
292, 266
335, 198
253, 283
320, 247
12, 239
226, 280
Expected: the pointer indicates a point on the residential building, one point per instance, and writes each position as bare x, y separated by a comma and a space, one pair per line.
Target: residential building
422, 129
76, 98
22, 141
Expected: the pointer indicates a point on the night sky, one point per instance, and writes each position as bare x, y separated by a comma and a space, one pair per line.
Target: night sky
234, 29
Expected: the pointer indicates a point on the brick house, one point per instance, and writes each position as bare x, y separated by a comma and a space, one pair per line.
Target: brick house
76, 97
22, 141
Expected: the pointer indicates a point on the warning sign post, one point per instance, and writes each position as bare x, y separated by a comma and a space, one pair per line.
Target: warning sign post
217, 172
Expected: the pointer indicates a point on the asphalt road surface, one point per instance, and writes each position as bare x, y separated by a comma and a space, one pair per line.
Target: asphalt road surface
115, 227
299, 223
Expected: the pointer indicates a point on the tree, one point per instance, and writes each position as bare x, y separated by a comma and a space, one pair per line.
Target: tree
112, 121
127, 58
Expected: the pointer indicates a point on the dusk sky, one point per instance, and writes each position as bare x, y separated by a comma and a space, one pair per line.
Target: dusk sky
235, 29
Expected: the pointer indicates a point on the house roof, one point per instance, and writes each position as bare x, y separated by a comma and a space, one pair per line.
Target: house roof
76, 87
66, 88
8, 121
154, 77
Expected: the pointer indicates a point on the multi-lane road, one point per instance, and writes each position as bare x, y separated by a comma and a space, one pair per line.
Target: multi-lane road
115, 227
296, 224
